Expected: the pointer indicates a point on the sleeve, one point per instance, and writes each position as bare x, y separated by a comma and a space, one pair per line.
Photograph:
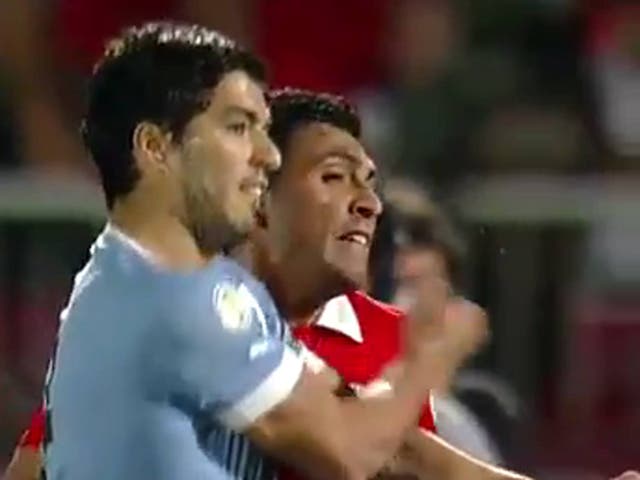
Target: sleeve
227, 360
428, 416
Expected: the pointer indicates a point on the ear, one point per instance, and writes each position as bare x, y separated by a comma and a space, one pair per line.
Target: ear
151, 145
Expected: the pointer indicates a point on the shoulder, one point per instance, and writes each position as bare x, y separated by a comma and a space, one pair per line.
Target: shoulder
222, 296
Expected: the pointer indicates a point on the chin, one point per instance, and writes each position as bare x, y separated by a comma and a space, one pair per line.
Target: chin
352, 280
242, 220
239, 233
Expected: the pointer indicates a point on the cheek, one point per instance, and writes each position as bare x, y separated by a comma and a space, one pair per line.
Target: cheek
296, 222
226, 156
234, 150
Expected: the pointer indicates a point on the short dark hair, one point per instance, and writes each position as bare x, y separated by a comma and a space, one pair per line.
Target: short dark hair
159, 72
420, 223
292, 108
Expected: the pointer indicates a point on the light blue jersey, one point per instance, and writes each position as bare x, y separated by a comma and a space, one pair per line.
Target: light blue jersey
155, 371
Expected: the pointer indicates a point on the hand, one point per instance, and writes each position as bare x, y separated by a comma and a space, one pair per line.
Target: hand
426, 340
466, 327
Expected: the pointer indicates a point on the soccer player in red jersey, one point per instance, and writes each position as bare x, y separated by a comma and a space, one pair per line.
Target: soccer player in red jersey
312, 249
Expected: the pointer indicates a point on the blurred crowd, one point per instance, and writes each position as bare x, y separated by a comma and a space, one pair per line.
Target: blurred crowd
449, 90
498, 86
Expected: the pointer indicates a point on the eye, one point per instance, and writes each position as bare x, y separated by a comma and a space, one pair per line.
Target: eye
239, 128
329, 177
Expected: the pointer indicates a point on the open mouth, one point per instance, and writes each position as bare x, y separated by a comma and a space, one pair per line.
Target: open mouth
357, 237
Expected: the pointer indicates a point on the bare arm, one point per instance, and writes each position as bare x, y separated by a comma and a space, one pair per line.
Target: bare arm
426, 456
329, 437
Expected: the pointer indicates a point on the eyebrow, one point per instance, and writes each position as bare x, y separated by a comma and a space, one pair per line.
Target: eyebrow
352, 159
249, 114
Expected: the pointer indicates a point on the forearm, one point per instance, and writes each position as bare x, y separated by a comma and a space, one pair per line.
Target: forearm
328, 437
427, 456
377, 425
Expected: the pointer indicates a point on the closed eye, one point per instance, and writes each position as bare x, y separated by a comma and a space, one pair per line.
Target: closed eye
332, 177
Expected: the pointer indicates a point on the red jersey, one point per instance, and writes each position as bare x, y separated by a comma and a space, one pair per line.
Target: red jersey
358, 337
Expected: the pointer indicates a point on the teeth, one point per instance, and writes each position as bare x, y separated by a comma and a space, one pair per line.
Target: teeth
358, 238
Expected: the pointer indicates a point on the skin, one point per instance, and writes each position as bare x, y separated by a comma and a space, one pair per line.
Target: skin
199, 193
326, 192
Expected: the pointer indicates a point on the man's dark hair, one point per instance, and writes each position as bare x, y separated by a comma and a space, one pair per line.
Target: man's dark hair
432, 230
161, 73
419, 222
292, 108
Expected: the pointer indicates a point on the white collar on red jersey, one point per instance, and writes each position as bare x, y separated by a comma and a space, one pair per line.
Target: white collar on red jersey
339, 315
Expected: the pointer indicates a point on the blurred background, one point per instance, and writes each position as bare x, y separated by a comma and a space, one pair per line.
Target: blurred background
521, 118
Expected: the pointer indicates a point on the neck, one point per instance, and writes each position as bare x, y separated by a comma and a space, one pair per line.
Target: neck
298, 301
160, 233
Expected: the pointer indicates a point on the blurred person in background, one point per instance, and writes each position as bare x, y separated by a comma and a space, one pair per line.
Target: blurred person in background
459, 96
478, 412
427, 244
612, 48
416, 120
43, 138
47, 49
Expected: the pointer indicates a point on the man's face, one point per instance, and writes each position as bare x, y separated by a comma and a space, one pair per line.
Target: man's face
466, 325
322, 211
412, 265
223, 161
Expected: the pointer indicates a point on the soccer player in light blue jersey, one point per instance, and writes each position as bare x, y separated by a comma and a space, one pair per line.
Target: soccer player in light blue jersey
165, 343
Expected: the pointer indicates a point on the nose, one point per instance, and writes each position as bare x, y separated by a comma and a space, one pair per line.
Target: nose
265, 154
367, 204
